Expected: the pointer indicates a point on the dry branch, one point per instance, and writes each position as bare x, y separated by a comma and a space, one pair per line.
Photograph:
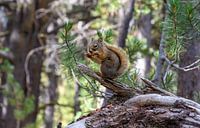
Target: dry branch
155, 87
119, 88
187, 68
161, 60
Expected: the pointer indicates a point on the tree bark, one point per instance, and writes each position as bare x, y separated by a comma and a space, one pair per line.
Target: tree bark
123, 31
145, 111
51, 97
189, 82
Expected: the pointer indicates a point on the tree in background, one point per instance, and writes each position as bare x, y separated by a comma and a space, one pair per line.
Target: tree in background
178, 44
188, 82
22, 85
28, 37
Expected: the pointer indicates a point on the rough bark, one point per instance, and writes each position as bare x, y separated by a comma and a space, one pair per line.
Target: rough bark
189, 82
145, 111
149, 115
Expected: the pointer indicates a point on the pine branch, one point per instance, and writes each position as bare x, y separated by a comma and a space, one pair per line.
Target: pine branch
155, 87
119, 88
190, 67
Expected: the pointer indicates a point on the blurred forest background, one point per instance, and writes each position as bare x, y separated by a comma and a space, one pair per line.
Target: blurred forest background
42, 41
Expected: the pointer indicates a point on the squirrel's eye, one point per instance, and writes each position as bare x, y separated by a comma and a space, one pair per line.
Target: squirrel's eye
95, 46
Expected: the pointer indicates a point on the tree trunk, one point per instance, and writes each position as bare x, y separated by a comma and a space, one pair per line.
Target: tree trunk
189, 82
51, 95
20, 43
23, 38
145, 27
124, 27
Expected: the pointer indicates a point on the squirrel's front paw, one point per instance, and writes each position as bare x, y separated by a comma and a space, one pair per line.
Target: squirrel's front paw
88, 55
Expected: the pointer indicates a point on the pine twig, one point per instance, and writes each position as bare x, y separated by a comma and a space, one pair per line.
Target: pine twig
190, 67
155, 87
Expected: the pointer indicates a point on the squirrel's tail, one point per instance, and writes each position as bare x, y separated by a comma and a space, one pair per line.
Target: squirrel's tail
124, 63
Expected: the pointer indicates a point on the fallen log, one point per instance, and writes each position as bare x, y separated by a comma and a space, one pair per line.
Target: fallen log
142, 110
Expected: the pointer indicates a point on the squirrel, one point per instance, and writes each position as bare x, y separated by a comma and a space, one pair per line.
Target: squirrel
113, 60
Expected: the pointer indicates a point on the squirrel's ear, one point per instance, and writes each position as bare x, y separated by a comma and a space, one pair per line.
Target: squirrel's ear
100, 40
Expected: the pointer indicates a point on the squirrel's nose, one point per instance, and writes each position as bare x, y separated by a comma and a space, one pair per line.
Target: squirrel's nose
90, 50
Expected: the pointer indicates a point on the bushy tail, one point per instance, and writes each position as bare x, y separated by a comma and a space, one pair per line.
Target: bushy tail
122, 57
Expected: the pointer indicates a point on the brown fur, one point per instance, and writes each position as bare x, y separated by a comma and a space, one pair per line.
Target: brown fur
113, 60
